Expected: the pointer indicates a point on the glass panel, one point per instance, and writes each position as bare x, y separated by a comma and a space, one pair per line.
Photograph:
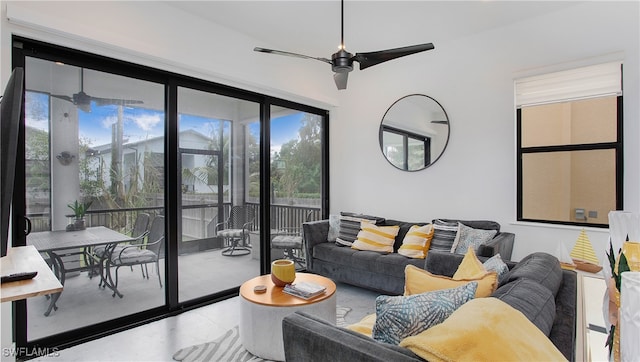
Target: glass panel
296, 179
96, 138
217, 220
570, 123
394, 149
416, 154
557, 185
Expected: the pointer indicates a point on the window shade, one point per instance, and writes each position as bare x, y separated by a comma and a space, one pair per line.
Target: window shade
592, 81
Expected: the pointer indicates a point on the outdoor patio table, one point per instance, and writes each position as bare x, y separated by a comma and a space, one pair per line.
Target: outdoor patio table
60, 243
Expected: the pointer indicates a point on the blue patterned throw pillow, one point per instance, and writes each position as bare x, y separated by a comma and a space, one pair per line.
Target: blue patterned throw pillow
398, 317
496, 264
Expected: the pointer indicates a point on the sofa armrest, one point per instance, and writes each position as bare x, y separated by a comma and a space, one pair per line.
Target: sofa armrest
501, 244
314, 233
307, 338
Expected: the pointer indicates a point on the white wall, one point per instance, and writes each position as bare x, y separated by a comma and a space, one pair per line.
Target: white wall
473, 80
471, 77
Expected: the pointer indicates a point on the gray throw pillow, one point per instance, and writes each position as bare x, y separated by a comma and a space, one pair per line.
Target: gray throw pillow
334, 227
350, 226
444, 234
496, 264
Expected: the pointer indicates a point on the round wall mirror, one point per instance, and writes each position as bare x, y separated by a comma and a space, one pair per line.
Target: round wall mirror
414, 132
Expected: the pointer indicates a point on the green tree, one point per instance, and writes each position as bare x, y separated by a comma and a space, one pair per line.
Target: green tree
302, 159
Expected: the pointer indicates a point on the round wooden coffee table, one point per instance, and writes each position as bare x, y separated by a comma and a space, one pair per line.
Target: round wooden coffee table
261, 314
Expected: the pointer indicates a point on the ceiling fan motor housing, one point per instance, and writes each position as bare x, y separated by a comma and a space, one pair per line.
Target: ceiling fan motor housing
341, 61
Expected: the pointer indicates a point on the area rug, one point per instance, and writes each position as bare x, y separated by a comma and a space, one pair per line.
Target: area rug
228, 346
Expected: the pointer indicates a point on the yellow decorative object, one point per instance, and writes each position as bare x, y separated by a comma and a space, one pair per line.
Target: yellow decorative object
583, 255
418, 281
283, 272
484, 329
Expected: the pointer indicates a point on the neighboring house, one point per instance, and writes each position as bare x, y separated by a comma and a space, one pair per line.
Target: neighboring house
136, 156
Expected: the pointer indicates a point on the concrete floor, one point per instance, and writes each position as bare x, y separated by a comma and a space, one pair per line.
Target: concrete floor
83, 303
158, 341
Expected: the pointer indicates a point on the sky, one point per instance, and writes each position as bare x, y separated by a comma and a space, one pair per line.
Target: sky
141, 124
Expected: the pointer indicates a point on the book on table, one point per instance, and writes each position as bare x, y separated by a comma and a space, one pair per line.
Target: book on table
305, 290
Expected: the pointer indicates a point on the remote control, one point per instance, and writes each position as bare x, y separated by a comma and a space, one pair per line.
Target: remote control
18, 276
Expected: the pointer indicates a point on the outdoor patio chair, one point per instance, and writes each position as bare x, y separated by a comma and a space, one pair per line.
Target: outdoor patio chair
137, 254
291, 240
235, 230
139, 231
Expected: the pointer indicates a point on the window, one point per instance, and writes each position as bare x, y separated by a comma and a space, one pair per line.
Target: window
570, 146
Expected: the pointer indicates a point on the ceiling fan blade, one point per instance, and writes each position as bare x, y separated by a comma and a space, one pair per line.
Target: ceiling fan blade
341, 79
63, 97
370, 59
289, 54
115, 101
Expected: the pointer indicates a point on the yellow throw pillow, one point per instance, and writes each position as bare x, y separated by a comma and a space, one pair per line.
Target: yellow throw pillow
376, 238
484, 329
365, 326
418, 281
470, 267
417, 241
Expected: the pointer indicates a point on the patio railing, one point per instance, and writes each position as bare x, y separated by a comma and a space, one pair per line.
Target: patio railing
198, 223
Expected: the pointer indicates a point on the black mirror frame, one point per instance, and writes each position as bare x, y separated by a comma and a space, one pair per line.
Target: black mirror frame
383, 128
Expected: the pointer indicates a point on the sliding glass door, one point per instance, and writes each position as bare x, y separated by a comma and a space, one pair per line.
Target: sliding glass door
94, 138
217, 249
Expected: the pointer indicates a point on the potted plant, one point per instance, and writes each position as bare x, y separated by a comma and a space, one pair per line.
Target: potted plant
79, 210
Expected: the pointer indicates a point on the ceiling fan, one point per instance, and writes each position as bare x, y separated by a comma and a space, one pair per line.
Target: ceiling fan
342, 61
83, 101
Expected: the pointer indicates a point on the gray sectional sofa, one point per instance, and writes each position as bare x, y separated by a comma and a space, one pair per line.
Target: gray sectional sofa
376, 271
536, 286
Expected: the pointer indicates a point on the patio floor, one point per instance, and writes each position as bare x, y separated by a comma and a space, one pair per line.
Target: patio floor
83, 303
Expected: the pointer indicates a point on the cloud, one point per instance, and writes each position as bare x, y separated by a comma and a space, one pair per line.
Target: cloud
147, 122
108, 121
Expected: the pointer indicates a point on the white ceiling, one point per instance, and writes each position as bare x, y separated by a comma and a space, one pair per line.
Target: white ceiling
313, 27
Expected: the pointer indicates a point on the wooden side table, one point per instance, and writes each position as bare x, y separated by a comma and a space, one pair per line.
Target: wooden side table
25, 259
261, 314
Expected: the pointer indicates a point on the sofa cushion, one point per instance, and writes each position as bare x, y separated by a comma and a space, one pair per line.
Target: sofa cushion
403, 316
417, 241
350, 226
470, 237
444, 235
531, 298
371, 261
376, 238
419, 281
541, 267
484, 329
